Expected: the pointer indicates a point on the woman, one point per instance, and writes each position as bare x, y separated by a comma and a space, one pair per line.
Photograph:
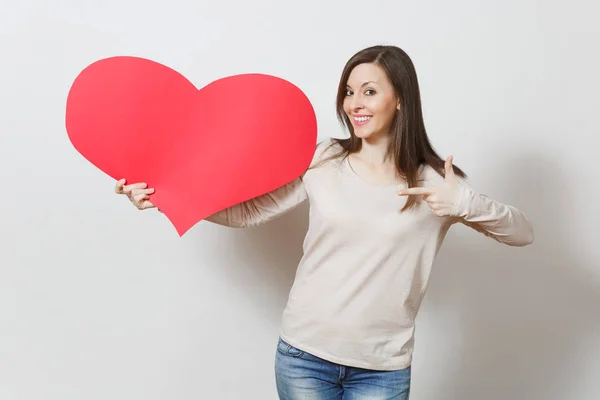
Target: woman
381, 202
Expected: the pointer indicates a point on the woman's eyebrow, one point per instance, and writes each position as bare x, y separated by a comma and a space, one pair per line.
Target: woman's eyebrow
364, 84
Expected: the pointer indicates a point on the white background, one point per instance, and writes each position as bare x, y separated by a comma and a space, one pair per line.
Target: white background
100, 301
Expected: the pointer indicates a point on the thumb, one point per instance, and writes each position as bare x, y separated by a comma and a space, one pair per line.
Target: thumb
449, 170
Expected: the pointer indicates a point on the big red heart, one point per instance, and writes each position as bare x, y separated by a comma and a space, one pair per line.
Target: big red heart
202, 150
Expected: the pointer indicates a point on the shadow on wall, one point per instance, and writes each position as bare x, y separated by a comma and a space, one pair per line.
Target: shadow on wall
270, 253
526, 314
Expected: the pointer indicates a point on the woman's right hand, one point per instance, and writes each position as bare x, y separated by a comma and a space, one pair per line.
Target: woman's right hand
137, 193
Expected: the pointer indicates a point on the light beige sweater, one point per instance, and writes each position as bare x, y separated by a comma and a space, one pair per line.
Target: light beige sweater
366, 265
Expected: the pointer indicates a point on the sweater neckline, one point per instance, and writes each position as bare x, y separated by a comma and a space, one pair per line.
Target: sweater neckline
357, 177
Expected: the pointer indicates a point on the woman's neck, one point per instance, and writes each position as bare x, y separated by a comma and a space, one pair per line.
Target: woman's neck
374, 151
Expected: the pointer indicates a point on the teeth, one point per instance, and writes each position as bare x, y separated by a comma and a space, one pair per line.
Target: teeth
361, 119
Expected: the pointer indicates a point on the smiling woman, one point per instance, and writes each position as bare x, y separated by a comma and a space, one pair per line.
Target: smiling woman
348, 326
379, 102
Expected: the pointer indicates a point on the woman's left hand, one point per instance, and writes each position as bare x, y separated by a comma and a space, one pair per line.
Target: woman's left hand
440, 198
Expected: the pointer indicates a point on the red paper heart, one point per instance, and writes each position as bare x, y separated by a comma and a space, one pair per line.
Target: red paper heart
202, 150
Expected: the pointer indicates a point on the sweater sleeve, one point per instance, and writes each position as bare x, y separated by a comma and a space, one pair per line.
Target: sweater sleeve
262, 208
501, 222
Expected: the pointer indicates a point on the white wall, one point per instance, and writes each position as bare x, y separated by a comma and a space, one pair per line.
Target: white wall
100, 301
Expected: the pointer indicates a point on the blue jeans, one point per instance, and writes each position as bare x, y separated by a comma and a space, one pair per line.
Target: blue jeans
302, 376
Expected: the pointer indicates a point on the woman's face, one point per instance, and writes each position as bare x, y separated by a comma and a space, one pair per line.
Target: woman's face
370, 101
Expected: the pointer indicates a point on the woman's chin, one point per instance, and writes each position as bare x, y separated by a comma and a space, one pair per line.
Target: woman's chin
361, 133
369, 135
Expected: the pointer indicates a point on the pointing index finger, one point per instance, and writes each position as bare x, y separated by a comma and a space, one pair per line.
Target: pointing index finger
417, 191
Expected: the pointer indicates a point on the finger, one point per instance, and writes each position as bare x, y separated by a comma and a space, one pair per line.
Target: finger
139, 198
443, 212
119, 186
433, 199
417, 191
449, 168
142, 203
135, 192
129, 188
145, 205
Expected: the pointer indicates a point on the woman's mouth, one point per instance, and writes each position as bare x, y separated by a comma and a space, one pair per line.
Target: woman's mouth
360, 120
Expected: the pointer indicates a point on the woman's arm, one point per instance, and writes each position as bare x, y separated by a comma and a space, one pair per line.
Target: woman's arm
263, 208
453, 198
504, 223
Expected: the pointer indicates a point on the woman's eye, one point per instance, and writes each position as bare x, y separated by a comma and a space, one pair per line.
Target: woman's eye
369, 92
348, 93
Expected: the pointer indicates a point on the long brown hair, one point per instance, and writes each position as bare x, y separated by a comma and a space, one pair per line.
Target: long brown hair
409, 146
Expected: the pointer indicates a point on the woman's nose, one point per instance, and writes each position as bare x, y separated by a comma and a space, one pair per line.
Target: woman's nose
356, 103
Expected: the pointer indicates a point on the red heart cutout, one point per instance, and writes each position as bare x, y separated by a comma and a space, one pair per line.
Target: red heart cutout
202, 150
